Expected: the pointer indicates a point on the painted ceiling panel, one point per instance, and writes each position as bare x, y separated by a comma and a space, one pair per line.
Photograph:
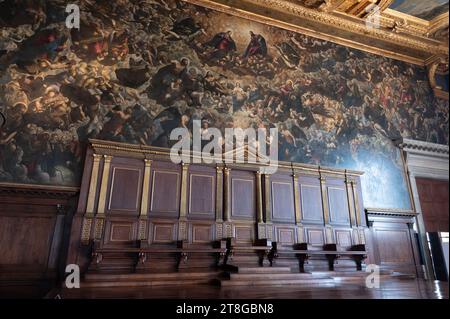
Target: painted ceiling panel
427, 10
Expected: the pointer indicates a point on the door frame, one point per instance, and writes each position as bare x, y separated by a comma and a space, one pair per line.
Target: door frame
423, 160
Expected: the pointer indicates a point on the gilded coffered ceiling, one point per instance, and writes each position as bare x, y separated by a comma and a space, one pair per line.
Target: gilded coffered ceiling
415, 31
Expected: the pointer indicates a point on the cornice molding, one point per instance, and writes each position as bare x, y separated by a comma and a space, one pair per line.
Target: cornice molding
390, 212
421, 147
58, 192
102, 147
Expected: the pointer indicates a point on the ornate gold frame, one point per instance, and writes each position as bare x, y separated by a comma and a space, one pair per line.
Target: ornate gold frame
400, 36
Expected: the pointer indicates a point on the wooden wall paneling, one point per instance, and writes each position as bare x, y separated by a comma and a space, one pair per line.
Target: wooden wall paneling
244, 232
285, 234
125, 187
344, 237
283, 205
243, 195
434, 203
394, 244
34, 231
310, 200
163, 231
120, 231
202, 193
339, 213
165, 190
201, 233
315, 236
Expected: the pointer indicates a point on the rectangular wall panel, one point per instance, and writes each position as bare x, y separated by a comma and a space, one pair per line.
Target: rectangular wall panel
243, 197
165, 192
311, 203
125, 190
283, 201
338, 205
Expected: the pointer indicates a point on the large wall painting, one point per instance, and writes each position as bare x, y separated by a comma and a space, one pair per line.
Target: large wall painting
137, 69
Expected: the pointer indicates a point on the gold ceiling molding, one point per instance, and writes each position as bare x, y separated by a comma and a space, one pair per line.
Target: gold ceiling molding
398, 37
355, 26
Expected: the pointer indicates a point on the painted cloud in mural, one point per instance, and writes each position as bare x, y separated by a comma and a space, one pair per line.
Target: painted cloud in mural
138, 69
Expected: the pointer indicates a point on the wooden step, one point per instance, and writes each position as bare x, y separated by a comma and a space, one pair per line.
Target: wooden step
148, 279
264, 270
282, 276
151, 283
300, 282
149, 276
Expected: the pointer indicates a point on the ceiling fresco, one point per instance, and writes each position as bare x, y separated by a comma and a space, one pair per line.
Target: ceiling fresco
427, 10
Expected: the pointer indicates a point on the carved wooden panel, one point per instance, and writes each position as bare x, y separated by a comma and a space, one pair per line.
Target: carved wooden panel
165, 192
201, 194
311, 200
338, 205
343, 237
243, 199
285, 235
125, 189
283, 201
315, 236
120, 231
163, 233
202, 233
244, 233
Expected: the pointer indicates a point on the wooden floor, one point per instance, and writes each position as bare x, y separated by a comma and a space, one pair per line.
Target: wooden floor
389, 289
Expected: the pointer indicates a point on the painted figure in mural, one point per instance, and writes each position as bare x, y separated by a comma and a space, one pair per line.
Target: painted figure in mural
138, 69
223, 44
256, 46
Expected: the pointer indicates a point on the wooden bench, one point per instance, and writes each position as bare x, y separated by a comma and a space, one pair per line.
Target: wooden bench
182, 252
262, 247
331, 252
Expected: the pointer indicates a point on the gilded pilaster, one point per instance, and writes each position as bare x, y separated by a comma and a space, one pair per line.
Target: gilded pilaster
100, 216
298, 209
226, 195
351, 203
267, 199
182, 221
88, 217
219, 194
259, 198
219, 203
326, 211
356, 203
144, 200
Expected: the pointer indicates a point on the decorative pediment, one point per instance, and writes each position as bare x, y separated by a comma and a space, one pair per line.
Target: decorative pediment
247, 153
